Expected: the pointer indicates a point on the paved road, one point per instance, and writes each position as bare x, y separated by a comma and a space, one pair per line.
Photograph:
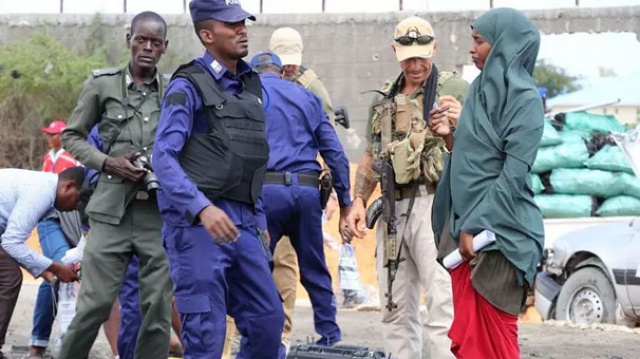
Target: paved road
363, 328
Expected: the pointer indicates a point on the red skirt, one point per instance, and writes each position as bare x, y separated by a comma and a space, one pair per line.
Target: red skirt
479, 330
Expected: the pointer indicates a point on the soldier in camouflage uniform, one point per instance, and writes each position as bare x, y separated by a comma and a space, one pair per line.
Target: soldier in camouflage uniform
399, 130
124, 216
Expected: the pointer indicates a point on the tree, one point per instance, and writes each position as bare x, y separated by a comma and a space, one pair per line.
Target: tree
554, 79
40, 80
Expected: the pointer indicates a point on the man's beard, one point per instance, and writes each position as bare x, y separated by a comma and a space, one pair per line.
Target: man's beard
240, 55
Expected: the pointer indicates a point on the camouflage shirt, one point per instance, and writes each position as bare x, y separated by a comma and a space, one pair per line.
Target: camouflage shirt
449, 83
309, 80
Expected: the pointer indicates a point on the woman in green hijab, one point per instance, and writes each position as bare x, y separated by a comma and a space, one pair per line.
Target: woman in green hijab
486, 186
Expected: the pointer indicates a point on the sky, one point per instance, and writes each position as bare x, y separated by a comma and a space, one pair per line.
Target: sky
580, 54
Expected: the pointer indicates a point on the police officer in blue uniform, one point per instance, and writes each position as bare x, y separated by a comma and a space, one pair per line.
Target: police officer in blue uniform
297, 130
210, 156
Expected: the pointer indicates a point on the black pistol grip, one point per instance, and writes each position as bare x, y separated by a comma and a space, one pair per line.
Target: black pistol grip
373, 212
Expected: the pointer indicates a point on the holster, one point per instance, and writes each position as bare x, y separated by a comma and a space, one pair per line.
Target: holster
326, 187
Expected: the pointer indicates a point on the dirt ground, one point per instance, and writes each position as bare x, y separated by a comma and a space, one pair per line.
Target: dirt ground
549, 341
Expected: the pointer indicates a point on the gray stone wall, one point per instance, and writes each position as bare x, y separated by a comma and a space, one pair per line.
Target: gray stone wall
350, 52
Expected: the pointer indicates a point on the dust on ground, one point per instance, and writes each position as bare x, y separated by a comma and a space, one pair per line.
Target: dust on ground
551, 340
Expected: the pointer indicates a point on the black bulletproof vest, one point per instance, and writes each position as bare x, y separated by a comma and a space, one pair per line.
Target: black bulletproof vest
229, 161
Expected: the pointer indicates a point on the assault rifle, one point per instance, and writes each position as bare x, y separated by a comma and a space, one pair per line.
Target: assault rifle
386, 205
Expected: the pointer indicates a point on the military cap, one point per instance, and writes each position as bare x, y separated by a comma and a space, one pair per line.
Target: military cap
265, 58
221, 10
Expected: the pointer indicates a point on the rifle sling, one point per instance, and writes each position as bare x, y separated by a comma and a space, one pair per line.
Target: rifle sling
407, 214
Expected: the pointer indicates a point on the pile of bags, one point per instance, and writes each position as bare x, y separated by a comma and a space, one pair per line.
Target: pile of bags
581, 172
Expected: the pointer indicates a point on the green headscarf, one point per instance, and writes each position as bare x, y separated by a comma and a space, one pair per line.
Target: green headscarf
487, 183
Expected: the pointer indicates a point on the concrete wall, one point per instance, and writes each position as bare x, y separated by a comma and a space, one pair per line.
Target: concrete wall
351, 52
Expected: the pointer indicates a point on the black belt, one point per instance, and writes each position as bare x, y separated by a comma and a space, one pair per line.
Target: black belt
310, 179
411, 189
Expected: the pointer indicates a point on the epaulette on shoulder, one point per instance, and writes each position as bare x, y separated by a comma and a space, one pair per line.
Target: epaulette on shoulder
103, 72
166, 78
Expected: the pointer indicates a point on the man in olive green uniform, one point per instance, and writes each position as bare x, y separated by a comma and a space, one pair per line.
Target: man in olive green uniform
399, 131
123, 212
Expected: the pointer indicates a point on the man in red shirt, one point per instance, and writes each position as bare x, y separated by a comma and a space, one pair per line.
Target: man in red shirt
57, 159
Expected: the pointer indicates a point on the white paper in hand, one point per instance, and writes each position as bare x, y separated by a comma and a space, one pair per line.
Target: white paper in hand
480, 241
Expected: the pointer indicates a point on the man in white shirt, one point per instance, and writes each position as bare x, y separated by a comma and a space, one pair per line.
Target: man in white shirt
26, 197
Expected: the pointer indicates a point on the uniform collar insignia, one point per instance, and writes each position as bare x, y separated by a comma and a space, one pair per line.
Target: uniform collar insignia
215, 65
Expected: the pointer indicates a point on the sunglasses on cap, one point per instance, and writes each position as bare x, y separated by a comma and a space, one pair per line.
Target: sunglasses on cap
407, 40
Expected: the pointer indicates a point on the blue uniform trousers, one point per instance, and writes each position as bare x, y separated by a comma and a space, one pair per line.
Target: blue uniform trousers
212, 280
295, 211
130, 316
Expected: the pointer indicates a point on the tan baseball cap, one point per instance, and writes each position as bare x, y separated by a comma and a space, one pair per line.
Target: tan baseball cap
417, 36
287, 44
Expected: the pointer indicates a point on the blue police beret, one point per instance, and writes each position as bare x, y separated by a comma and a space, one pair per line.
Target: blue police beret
265, 58
221, 10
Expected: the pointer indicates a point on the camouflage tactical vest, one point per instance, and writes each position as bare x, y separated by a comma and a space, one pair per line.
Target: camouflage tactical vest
306, 77
400, 133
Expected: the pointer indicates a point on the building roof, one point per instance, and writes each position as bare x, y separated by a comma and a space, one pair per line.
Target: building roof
625, 88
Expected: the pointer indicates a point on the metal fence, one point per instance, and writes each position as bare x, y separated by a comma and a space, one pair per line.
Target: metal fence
292, 6
401, 4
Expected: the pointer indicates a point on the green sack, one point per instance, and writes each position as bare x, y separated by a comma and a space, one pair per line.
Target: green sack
565, 155
630, 185
619, 206
536, 184
591, 122
575, 136
609, 158
586, 182
564, 206
550, 136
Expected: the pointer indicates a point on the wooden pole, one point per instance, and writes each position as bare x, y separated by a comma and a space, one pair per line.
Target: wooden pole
124, 5
324, 5
400, 5
490, 4
61, 6
184, 6
261, 6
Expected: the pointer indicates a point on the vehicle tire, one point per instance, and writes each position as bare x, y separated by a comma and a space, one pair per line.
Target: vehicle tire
587, 297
